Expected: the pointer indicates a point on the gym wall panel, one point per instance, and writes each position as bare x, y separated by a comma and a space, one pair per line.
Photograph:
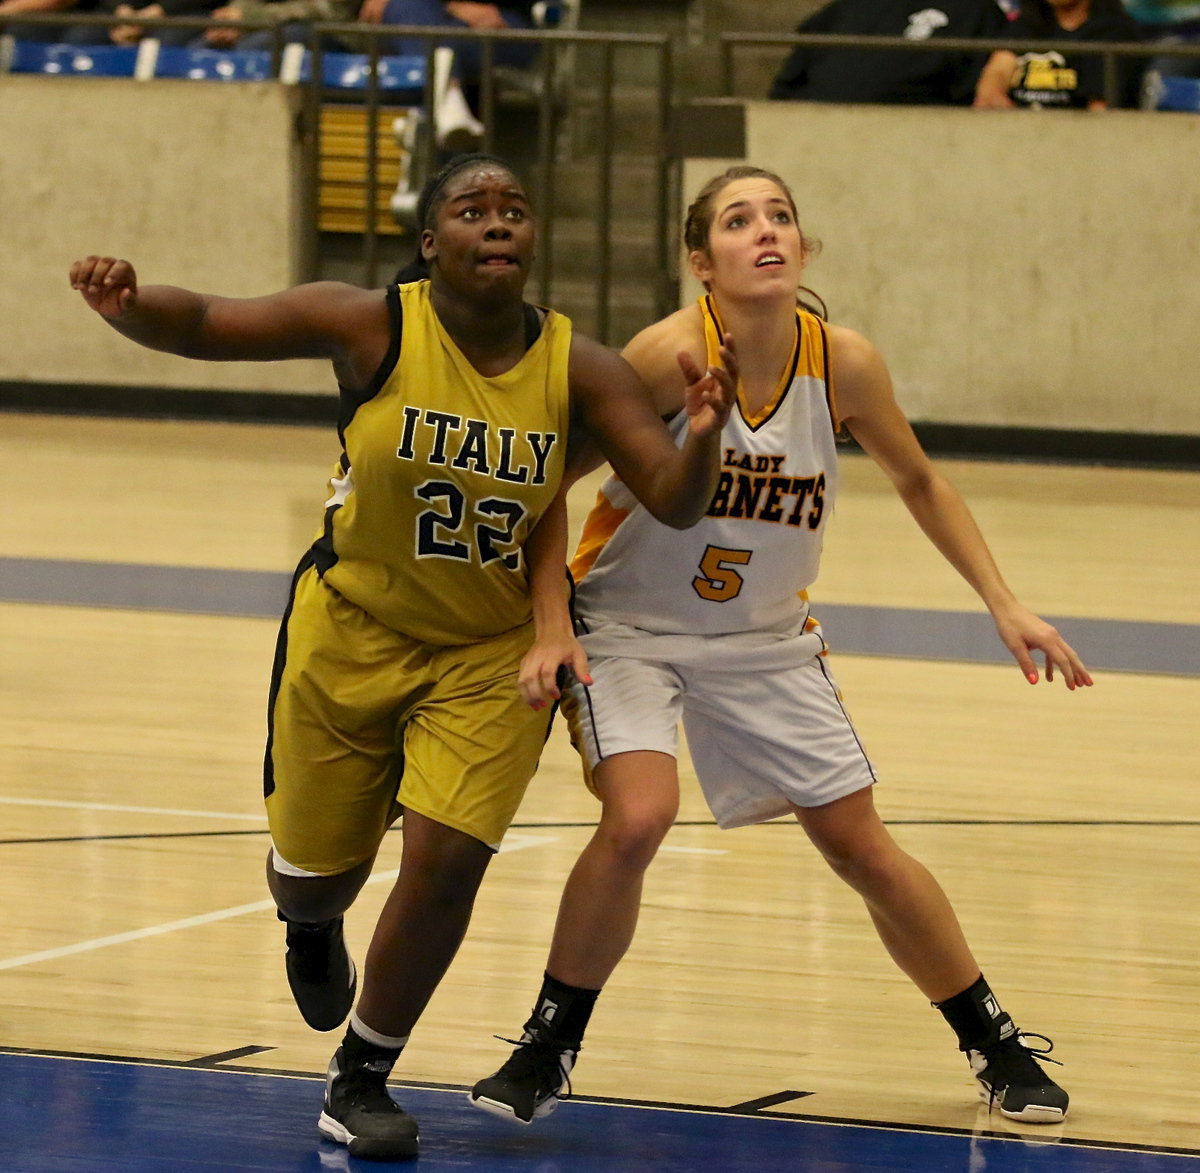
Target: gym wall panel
1016, 268
199, 184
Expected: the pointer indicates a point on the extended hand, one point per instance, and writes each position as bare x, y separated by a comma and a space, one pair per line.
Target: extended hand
709, 395
1024, 633
108, 285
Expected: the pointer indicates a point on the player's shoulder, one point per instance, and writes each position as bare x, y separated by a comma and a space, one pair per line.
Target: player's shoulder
654, 351
860, 373
850, 350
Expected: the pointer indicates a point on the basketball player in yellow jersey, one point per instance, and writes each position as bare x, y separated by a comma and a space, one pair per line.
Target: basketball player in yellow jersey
395, 678
766, 728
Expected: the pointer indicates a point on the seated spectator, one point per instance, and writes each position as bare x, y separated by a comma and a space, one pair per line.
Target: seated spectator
920, 77
455, 124
1061, 80
457, 127
456, 14
294, 15
131, 32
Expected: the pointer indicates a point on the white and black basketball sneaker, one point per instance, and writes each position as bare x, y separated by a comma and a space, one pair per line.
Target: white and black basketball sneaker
361, 1115
531, 1082
1012, 1079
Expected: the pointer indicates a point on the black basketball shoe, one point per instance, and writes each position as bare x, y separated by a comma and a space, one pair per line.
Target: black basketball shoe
530, 1083
320, 972
1012, 1079
361, 1115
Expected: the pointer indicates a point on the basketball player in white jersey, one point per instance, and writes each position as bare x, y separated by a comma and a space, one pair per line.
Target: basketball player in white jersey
711, 626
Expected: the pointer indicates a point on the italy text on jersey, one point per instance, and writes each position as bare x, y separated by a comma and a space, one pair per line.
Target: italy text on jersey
475, 445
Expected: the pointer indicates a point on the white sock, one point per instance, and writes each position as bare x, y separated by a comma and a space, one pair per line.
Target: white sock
368, 1035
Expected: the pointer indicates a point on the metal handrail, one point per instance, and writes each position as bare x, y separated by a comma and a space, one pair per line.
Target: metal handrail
543, 183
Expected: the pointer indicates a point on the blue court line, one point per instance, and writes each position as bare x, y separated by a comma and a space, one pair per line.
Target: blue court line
135, 587
102, 1116
1113, 645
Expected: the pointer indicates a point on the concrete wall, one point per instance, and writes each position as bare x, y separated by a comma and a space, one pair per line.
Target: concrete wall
197, 184
1018, 268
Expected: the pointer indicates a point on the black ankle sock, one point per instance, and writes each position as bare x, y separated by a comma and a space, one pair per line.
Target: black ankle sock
358, 1053
562, 1012
975, 1017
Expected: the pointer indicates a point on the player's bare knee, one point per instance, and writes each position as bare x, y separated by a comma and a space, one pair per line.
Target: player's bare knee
311, 898
632, 839
869, 867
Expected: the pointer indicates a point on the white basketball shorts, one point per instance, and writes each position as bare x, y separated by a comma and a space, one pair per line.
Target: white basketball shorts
759, 741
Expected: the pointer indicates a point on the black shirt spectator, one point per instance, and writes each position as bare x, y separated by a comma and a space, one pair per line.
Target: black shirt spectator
876, 75
1060, 79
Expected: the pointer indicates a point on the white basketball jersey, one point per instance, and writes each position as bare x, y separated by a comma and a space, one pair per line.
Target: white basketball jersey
745, 565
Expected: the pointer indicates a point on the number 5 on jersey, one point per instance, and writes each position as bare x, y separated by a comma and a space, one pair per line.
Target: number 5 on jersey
718, 581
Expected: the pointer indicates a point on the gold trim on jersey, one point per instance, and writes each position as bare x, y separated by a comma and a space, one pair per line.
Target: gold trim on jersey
602, 522
809, 356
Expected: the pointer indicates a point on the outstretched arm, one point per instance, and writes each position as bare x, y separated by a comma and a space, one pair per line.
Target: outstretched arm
869, 409
322, 320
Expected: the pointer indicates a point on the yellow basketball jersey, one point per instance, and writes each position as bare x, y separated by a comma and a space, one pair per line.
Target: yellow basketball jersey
443, 474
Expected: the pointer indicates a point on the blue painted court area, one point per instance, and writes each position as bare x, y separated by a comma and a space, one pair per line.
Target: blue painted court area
67, 1115
1124, 646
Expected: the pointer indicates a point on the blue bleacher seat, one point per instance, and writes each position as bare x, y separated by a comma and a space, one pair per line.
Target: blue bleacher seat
73, 60
351, 71
339, 71
1164, 92
214, 64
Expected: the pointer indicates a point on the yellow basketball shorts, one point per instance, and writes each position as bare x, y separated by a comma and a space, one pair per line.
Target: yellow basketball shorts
362, 717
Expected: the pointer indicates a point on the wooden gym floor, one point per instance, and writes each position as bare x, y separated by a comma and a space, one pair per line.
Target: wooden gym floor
757, 1023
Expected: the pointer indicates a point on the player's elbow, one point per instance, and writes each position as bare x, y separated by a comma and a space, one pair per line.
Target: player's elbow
678, 515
